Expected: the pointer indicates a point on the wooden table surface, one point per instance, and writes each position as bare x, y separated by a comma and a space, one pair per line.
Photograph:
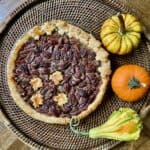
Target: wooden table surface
9, 141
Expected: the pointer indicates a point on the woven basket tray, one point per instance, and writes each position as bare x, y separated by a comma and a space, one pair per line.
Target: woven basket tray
89, 15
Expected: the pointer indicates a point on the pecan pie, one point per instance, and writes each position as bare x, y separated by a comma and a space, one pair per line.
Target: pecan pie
57, 71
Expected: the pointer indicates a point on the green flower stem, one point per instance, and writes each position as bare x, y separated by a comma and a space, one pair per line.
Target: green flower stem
73, 124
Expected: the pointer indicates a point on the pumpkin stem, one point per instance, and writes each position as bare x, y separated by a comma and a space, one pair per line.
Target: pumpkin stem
122, 25
134, 83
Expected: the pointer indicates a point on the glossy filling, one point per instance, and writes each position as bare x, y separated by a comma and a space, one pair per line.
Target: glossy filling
53, 68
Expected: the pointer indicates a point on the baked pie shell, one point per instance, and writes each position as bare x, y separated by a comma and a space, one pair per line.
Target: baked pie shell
86, 39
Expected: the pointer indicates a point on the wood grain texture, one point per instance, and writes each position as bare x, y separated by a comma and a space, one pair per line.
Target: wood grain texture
142, 9
8, 141
7, 6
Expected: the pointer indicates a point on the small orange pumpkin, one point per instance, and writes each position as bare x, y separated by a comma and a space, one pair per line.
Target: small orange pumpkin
130, 82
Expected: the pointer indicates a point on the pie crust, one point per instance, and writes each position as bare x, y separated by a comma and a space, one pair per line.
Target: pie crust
72, 31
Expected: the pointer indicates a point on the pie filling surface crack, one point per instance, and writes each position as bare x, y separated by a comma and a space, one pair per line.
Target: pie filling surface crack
57, 71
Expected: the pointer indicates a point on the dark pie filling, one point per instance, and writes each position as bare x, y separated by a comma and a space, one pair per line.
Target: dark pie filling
40, 58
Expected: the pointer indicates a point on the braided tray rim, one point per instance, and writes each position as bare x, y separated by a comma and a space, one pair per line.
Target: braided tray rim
22, 137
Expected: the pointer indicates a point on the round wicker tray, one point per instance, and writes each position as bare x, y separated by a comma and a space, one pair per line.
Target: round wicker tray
89, 15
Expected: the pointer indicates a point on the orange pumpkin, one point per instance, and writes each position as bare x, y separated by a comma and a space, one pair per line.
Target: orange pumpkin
130, 82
